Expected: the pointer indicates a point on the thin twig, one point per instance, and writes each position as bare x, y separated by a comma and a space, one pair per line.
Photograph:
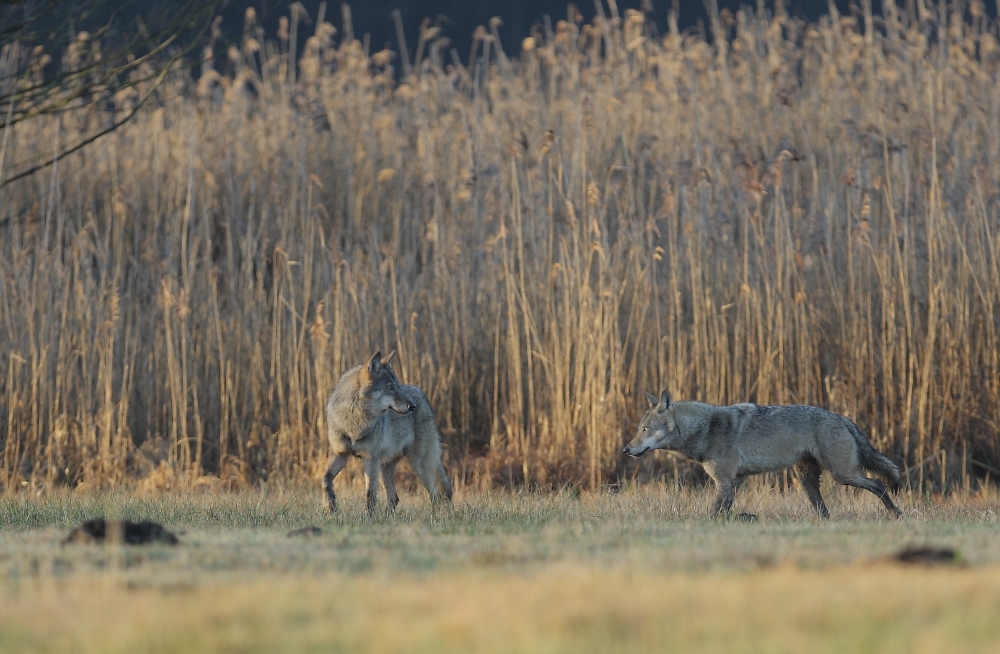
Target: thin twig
90, 139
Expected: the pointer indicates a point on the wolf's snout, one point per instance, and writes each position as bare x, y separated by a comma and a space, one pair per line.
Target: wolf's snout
406, 409
634, 452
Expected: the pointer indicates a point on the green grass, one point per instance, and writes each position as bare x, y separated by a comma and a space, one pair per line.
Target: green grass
248, 531
644, 568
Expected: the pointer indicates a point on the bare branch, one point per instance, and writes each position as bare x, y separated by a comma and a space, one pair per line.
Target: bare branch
75, 84
93, 137
99, 79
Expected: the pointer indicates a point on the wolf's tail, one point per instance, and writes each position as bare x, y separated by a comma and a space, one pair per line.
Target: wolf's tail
874, 461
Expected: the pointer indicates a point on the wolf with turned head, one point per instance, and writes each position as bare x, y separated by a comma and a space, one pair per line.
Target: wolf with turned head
374, 417
733, 442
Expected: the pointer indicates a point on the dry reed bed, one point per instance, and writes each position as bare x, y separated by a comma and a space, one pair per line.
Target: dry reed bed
777, 213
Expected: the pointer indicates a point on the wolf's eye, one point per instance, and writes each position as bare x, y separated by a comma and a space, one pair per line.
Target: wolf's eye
645, 428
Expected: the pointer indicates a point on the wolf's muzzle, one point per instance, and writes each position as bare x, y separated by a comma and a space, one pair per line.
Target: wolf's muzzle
410, 408
626, 450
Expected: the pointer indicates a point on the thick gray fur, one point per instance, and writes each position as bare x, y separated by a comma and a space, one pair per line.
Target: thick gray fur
733, 442
374, 417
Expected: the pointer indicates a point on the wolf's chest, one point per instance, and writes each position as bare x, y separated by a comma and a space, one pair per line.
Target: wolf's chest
393, 437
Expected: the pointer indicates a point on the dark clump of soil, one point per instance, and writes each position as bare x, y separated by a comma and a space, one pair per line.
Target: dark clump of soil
926, 555
305, 531
100, 530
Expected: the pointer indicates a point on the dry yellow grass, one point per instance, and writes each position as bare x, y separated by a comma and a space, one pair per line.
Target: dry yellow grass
564, 608
780, 213
554, 572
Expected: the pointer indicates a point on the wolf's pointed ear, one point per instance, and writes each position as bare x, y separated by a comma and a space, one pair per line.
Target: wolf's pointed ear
375, 363
666, 401
388, 359
651, 399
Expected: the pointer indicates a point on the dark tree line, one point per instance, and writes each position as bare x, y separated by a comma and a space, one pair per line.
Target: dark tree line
458, 19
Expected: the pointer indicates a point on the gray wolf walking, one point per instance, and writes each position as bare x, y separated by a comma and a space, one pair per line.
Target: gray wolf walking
372, 416
733, 442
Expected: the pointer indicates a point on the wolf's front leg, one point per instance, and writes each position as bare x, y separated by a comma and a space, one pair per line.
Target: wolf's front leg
724, 500
337, 463
389, 481
372, 467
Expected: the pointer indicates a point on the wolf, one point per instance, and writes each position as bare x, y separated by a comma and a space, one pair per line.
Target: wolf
374, 417
733, 442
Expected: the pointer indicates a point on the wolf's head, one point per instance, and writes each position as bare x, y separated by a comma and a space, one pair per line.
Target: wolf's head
380, 387
658, 430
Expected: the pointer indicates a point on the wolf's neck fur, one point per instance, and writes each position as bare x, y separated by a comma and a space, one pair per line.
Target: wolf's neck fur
690, 429
354, 420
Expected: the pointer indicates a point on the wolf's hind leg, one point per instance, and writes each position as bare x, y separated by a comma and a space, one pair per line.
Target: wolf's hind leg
430, 471
445, 482
389, 482
428, 478
337, 463
808, 471
371, 473
876, 487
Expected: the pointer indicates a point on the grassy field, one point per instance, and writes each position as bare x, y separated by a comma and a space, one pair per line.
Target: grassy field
498, 572
770, 211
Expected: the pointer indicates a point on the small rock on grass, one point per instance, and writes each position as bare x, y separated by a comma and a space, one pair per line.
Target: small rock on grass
100, 530
926, 555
